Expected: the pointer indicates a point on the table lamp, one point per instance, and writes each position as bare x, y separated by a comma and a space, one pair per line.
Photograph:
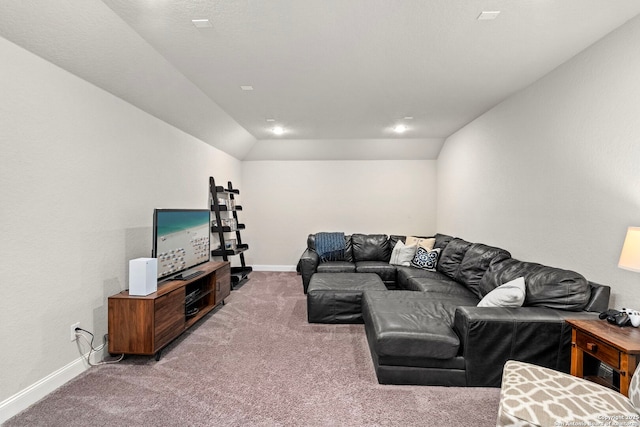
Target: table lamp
630, 255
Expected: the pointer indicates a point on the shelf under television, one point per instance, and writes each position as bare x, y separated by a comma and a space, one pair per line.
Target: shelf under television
189, 301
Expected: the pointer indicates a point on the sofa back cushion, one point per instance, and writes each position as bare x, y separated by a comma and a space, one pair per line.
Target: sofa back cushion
394, 239
442, 240
546, 286
476, 262
451, 257
348, 253
370, 247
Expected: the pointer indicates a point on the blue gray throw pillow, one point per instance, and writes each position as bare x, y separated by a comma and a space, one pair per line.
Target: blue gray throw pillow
426, 259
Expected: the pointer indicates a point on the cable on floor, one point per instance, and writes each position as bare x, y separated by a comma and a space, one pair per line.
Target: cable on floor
80, 333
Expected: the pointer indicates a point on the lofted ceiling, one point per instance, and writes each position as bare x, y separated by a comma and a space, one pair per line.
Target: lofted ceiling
336, 74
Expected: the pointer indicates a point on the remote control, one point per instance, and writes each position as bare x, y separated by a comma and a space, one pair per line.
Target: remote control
608, 313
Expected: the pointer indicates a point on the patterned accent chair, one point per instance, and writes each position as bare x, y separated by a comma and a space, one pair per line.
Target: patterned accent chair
535, 396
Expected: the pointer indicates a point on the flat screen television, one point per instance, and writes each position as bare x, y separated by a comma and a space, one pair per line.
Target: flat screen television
180, 241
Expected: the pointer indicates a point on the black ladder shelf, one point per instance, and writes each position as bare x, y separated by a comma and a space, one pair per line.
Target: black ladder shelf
221, 225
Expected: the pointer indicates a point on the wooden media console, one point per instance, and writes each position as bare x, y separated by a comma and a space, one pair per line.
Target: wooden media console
144, 325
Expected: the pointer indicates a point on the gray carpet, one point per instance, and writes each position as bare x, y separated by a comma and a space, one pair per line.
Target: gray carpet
257, 362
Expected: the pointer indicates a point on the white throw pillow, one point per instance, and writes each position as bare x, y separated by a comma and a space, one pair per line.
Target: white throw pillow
510, 295
402, 254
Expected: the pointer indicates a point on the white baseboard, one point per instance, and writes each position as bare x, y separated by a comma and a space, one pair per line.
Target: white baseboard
270, 267
36, 391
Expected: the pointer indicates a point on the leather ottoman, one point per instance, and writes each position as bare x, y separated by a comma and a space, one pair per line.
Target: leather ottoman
337, 297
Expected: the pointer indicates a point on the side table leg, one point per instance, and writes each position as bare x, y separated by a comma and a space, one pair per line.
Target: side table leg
577, 357
628, 364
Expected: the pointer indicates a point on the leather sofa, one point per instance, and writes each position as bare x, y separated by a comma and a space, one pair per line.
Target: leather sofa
364, 253
427, 329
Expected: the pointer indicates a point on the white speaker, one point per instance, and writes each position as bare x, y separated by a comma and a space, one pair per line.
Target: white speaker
143, 276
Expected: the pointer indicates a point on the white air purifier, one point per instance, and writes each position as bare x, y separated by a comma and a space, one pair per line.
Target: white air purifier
143, 276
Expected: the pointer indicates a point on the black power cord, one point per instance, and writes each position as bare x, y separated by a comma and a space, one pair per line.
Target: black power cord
80, 334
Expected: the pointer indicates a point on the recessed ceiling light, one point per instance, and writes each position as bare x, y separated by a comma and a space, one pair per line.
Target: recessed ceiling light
201, 23
270, 120
246, 87
408, 117
400, 129
278, 130
488, 15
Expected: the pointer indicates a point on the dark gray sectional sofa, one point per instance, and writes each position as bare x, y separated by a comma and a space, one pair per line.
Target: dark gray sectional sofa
364, 253
427, 329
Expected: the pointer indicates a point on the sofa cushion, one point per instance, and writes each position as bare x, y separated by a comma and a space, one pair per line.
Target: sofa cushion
476, 262
336, 267
509, 295
409, 324
337, 297
451, 257
442, 240
394, 238
404, 274
370, 247
386, 271
443, 288
546, 286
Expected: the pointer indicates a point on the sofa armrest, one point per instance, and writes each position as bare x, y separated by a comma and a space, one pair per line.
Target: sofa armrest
599, 300
489, 336
308, 265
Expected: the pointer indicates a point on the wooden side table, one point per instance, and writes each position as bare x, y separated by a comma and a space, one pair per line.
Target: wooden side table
610, 344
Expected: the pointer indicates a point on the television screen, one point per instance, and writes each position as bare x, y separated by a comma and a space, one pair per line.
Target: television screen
180, 240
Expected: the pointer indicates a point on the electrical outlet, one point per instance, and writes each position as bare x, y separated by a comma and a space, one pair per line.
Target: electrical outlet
73, 331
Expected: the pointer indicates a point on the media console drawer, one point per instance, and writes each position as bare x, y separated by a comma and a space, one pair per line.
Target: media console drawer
169, 317
223, 283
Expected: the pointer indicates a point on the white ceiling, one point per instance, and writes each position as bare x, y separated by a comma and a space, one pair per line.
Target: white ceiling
332, 72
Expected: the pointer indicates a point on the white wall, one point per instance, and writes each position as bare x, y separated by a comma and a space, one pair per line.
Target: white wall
80, 174
346, 149
285, 201
553, 173
91, 41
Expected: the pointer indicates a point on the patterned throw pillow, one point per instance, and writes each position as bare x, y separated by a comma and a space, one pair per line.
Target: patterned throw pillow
426, 259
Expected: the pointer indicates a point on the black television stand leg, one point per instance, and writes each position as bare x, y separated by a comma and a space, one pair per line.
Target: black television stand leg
158, 355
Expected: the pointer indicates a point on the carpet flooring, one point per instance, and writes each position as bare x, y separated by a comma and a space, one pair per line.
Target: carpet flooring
257, 362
